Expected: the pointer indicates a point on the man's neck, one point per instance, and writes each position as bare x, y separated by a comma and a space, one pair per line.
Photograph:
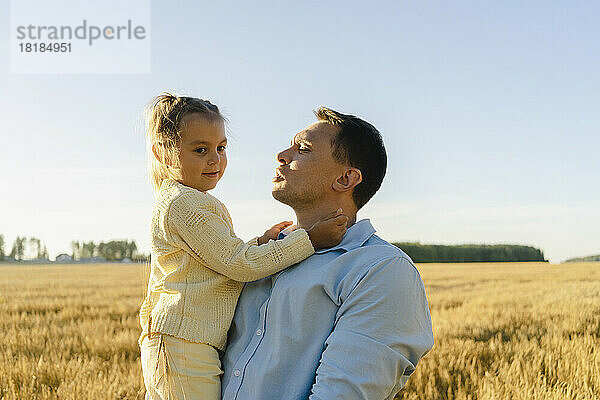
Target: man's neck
307, 217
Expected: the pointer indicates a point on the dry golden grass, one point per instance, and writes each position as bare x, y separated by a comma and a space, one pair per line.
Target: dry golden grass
503, 331
511, 331
70, 331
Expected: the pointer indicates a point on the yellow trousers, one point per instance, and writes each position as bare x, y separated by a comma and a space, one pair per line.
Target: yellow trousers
176, 369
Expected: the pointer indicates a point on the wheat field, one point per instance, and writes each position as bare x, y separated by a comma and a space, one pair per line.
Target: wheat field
502, 331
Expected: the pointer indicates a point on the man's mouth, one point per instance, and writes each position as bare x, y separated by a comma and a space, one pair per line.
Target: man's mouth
211, 175
278, 176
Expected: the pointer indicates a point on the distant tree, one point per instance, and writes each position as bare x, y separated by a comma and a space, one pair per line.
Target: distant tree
104, 251
131, 250
2, 253
18, 249
33, 248
44, 254
88, 250
75, 250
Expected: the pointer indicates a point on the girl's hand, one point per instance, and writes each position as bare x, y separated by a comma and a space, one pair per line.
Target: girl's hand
273, 232
329, 230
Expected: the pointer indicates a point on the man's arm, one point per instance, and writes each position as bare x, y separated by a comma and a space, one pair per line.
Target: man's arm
382, 329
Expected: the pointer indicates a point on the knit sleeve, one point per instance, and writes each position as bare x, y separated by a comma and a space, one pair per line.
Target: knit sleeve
209, 237
253, 241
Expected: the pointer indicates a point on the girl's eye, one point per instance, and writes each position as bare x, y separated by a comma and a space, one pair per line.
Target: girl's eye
200, 150
221, 148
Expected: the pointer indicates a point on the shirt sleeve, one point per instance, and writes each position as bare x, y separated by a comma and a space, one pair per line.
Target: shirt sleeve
208, 237
382, 330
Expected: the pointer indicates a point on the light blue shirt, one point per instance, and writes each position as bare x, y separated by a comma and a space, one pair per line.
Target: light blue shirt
349, 322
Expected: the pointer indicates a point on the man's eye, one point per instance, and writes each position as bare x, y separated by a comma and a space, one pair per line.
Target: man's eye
200, 150
302, 149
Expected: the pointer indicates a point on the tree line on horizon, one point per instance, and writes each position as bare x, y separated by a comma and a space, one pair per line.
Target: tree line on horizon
435, 253
26, 249
32, 248
584, 259
113, 250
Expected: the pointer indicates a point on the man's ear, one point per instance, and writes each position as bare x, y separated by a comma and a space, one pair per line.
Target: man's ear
348, 180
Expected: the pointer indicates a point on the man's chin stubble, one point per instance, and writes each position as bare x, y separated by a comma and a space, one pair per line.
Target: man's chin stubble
281, 197
295, 200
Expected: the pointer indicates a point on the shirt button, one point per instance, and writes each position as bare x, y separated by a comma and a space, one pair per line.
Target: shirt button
259, 332
237, 372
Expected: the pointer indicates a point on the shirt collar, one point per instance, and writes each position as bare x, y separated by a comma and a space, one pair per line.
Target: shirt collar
354, 237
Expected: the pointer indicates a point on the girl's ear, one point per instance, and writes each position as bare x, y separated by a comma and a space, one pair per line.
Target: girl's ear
161, 155
155, 151
348, 180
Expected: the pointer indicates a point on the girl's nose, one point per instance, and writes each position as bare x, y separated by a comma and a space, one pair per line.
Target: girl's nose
214, 159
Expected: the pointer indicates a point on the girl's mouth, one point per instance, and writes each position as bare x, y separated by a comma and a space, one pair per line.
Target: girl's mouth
211, 175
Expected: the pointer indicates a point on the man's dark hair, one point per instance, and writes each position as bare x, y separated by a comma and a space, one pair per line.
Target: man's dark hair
359, 144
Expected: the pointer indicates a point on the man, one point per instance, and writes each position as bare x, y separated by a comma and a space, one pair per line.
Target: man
349, 322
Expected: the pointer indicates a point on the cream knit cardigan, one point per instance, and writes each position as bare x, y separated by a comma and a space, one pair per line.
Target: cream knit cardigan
198, 265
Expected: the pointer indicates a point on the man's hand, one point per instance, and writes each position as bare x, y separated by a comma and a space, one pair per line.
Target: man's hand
329, 230
273, 232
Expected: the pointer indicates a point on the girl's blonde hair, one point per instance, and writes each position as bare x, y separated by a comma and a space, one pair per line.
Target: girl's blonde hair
164, 118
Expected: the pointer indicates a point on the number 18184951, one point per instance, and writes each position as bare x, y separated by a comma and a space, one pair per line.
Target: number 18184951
45, 47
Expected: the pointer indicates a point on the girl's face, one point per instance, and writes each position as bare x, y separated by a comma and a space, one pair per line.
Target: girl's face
202, 152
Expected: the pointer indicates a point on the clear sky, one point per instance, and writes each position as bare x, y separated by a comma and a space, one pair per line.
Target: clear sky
489, 111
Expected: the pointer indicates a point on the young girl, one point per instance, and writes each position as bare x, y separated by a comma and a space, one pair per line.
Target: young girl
198, 265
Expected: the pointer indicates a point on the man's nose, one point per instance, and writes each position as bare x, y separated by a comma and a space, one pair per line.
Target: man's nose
284, 156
